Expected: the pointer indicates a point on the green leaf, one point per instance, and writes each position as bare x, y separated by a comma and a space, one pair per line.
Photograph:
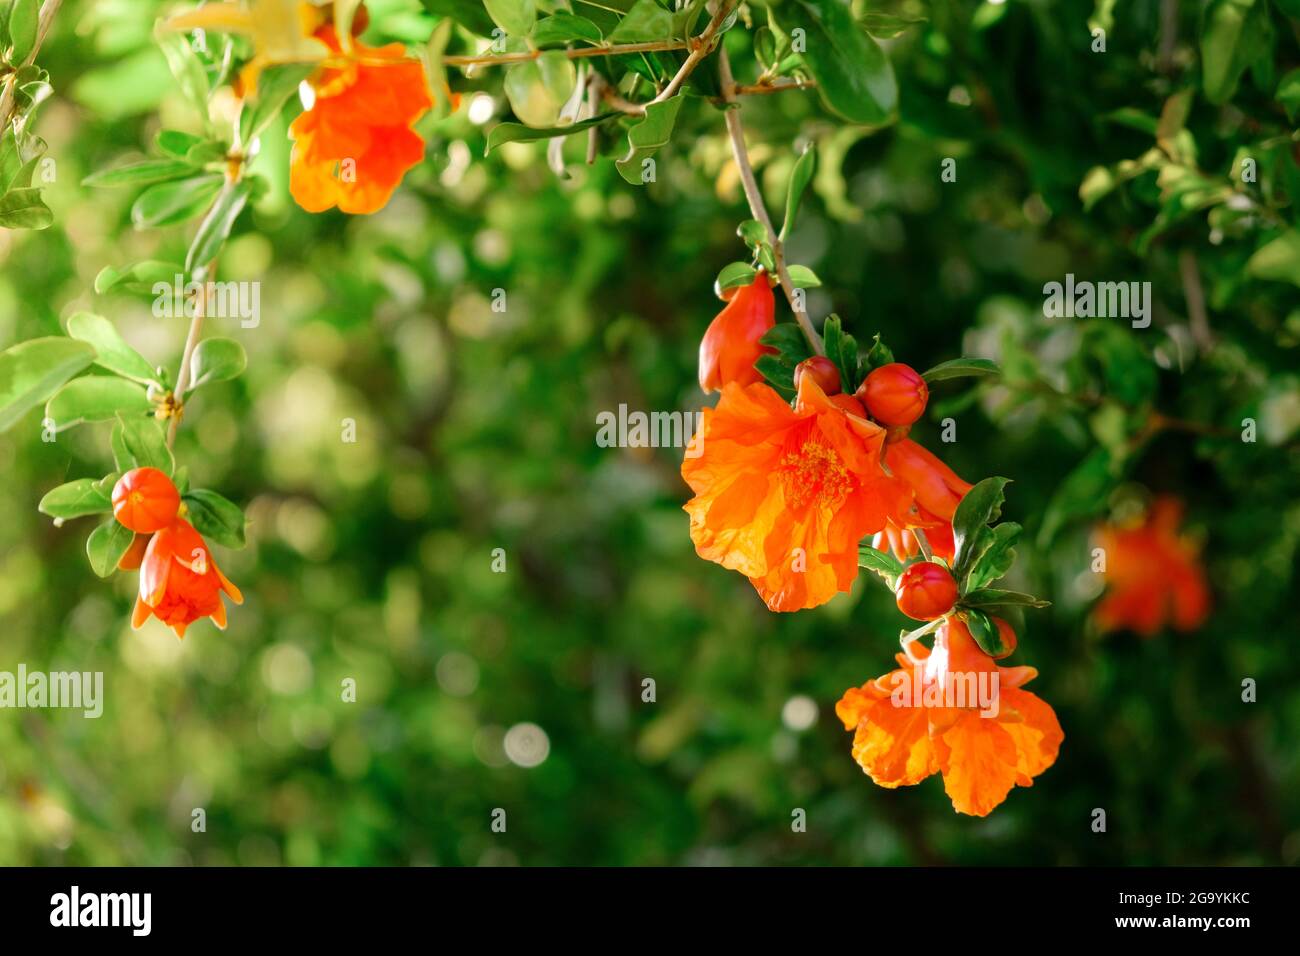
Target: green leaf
791, 349
789, 341
986, 633
734, 274
1083, 493
566, 28
539, 88
886, 26
962, 367
203, 153
166, 204
140, 277
842, 349
879, 354
275, 86
111, 350
647, 135
216, 360
645, 21
994, 597
216, 225
996, 558
106, 545
1278, 260
95, 398
1128, 373
140, 174
186, 67
468, 13
504, 133
753, 233
516, 17
31, 372
854, 77
800, 176
801, 277
215, 517
881, 562
141, 443
980, 507
24, 209
778, 374
85, 496
175, 143
24, 19
1288, 94
1233, 34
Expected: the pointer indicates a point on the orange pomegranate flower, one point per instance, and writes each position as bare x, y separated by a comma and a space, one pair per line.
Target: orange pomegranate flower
355, 143
784, 495
179, 581
1153, 574
937, 489
730, 346
952, 711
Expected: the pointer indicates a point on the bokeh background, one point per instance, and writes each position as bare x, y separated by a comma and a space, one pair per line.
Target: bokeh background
476, 431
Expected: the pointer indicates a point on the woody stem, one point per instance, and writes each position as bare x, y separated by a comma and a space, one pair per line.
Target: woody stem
202, 275
755, 198
617, 49
191, 343
701, 47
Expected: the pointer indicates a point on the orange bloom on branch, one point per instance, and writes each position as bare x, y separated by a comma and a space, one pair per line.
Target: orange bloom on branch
730, 345
785, 495
937, 490
936, 714
179, 581
1153, 574
355, 143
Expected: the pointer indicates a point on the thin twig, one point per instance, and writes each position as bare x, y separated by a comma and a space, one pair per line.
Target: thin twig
1195, 295
755, 198
615, 99
594, 83
191, 343
761, 89
617, 49
701, 47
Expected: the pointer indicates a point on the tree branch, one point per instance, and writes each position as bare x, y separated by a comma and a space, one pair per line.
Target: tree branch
191, 343
701, 46
755, 198
503, 59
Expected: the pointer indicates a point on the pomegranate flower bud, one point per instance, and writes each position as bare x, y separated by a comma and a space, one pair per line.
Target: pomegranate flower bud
730, 347
145, 500
894, 394
925, 591
823, 371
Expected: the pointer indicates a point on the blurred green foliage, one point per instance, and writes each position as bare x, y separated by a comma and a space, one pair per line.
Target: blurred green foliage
475, 431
